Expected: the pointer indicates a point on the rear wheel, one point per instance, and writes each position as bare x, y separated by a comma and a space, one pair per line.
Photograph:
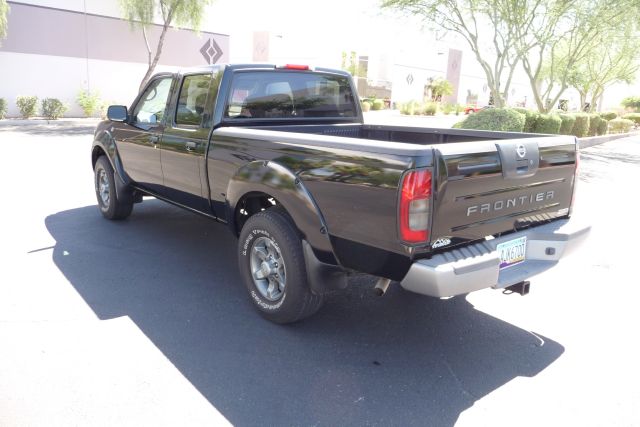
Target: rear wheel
111, 206
273, 269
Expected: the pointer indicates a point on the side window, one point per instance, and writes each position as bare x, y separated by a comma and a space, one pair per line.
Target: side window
192, 99
150, 108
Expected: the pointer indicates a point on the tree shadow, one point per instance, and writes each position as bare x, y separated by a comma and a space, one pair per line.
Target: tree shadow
402, 359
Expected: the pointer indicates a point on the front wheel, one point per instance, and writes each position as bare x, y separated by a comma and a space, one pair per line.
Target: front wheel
111, 206
273, 269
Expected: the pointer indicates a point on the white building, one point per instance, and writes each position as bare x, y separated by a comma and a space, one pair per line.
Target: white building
55, 48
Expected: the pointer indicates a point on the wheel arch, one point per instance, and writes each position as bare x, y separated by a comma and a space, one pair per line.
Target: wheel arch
260, 185
104, 145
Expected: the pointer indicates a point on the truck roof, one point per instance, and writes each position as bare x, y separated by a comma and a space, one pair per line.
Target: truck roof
259, 66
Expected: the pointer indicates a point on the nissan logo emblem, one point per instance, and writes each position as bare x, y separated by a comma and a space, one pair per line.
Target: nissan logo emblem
521, 151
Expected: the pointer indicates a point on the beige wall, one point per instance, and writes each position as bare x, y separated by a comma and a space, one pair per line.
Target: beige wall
54, 52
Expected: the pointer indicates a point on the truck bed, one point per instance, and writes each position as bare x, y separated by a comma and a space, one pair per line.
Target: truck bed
482, 188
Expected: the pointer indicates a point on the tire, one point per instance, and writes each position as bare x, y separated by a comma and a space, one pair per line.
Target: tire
109, 204
273, 269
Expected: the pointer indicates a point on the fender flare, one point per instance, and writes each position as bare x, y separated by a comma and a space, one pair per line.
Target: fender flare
104, 141
281, 183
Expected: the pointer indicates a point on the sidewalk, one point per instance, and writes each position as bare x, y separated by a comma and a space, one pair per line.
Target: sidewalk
68, 126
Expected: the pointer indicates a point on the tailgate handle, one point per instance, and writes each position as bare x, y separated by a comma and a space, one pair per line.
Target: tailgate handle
520, 159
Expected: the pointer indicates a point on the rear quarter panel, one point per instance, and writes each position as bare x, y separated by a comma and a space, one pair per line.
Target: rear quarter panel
355, 189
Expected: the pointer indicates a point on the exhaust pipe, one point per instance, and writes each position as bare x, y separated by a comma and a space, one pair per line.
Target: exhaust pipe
381, 286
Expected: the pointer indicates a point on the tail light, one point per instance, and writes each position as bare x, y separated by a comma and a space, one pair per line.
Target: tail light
415, 196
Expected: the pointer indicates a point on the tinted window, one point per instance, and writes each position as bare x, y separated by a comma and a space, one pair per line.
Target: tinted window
282, 94
150, 108
192, 100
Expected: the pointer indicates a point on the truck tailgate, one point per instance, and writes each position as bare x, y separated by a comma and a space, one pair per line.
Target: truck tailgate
487, 188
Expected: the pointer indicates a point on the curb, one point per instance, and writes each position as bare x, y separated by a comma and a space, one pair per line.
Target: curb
597, 140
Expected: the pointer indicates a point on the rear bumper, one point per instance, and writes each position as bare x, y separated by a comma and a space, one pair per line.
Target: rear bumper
475, 267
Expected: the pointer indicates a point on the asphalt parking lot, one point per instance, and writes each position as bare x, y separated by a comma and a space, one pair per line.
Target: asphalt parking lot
144, 322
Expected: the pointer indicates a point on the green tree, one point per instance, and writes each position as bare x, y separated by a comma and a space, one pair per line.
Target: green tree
350, 64
614, 59
485, 25
632, 102
561, 35
439, 88
4, 10
142, 13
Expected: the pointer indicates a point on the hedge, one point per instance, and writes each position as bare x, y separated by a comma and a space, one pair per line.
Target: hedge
609, 115
634, 117
594, 124
530, 118
547, 123
581, 125
496, 119
568, 120
603, 127
366, 106
620, 125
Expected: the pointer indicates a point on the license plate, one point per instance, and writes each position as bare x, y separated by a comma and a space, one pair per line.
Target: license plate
512, 252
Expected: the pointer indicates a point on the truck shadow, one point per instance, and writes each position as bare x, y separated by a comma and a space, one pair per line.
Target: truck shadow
401, 359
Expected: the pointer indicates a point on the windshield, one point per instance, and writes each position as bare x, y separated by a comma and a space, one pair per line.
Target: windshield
282, 94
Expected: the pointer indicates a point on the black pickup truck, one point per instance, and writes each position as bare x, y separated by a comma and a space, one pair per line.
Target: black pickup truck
281, 155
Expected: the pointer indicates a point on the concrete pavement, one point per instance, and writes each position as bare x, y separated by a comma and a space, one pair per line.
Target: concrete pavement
144, 322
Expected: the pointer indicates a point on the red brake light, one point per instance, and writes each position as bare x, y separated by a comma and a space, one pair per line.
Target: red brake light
295, 67
415, 205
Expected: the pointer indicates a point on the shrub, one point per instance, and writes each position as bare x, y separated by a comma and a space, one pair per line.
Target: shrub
3, 108
366, 106
53, 108
609, 115
581, 125
378, 104
632, 102
410, 108
28, 105
568, 120
430, 109
596, 125
603, 127
594, 121
458, 125
497, 119
89, 102
547, 123
448, 108
620, 125
634, 117
530, 118
459, 108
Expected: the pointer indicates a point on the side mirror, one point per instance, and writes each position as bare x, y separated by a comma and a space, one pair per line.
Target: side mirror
117, 113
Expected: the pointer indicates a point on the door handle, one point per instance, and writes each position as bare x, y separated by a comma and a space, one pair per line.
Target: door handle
190, 145
154, 139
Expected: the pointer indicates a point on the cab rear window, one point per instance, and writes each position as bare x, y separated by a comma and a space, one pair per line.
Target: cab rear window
282, 94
